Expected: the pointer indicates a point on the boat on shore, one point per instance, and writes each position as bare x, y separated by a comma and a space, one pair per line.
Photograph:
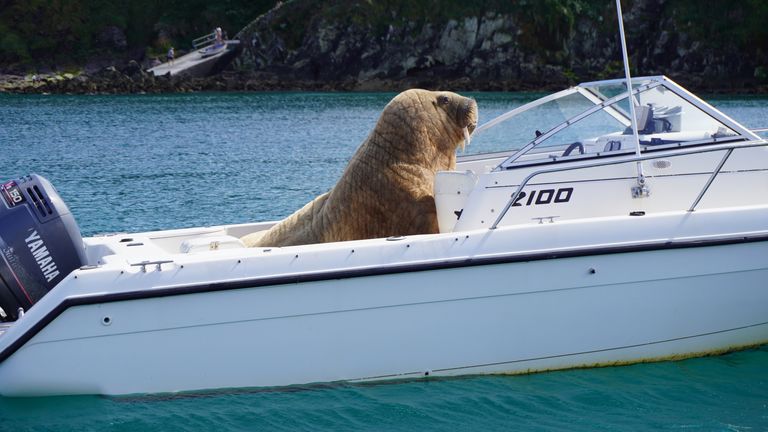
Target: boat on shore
580, 246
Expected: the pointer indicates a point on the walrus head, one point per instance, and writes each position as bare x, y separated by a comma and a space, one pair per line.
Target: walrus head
443, 120
462, 109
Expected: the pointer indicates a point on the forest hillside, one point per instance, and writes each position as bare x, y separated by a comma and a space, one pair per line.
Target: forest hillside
393, 44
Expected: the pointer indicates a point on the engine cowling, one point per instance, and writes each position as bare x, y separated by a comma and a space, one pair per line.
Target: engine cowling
40, 243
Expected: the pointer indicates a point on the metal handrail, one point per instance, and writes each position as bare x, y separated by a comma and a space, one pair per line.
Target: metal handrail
720, 147
204, 41
711, 179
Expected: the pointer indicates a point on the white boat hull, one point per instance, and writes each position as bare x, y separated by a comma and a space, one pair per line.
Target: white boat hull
528, 316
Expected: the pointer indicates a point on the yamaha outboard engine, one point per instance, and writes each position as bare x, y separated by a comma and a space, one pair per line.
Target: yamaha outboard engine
40, 243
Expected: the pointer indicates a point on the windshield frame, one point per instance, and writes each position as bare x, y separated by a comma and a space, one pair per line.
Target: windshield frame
589, 90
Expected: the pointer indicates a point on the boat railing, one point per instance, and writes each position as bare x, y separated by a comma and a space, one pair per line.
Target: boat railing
204, 41
727, 148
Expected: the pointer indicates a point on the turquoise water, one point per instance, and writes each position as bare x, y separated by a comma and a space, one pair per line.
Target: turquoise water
726, 393
135, 163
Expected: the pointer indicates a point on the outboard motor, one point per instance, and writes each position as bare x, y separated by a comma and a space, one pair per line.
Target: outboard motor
40, 243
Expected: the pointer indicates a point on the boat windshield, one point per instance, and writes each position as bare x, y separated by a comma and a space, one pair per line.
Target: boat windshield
593, 119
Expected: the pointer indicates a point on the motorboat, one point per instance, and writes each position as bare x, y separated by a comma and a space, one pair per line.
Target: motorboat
589, 242
212, 49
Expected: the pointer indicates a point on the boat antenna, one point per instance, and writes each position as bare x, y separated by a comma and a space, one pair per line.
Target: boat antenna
641, 189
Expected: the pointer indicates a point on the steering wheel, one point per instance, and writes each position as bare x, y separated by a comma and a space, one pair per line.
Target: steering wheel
572, 147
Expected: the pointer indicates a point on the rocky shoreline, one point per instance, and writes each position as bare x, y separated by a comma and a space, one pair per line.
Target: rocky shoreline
113, 81
110, 80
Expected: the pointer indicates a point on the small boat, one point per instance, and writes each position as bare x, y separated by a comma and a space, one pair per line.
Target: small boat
212, 50
585, 244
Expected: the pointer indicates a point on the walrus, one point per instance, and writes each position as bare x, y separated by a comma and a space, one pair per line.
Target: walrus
387, 187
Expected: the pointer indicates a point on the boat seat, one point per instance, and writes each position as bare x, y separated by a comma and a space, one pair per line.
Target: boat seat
210, 243
452, 188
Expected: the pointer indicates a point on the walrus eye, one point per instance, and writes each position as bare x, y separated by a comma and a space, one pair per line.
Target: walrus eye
442, 100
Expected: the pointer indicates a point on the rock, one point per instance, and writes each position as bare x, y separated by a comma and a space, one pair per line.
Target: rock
132, 69
761, 73
497, 50
114, 38
456, 41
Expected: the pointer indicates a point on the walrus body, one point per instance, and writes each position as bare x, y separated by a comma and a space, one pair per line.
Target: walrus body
387, 188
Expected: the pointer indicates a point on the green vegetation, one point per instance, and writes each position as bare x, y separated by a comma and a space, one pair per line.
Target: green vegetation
66, 33
69, 32
742, 24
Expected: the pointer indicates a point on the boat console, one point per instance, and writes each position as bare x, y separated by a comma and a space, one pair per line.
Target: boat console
40, 243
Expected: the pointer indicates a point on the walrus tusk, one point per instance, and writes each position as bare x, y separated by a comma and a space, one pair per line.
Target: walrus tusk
467, 139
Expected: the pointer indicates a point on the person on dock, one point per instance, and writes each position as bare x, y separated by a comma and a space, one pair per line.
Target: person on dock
219, 37
170, 56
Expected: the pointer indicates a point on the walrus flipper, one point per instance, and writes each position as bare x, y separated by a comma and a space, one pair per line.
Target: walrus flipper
296, 229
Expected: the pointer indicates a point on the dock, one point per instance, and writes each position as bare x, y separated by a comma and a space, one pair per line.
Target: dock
205, 59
